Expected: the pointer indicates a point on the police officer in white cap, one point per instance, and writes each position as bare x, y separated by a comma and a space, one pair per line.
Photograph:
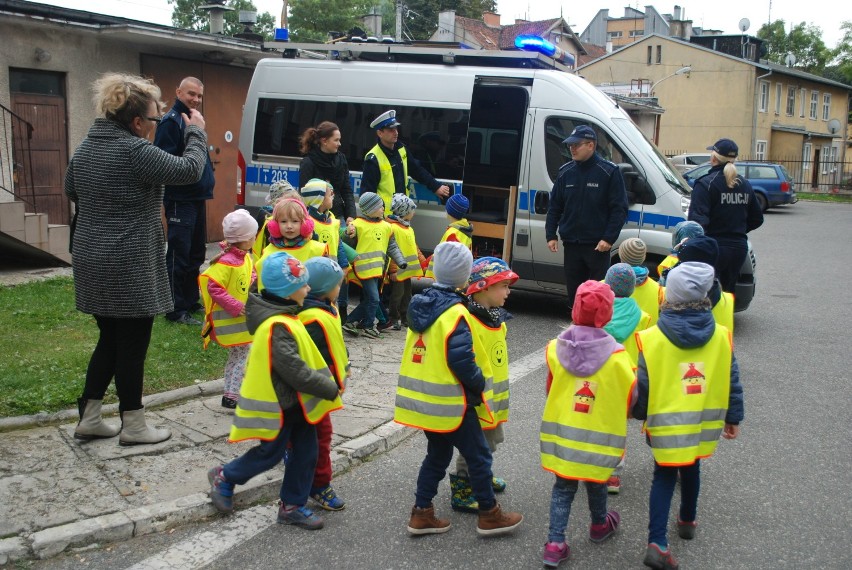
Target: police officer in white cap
387, 165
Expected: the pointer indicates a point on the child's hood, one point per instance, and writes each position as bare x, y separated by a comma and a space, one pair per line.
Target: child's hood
582, 351
688, 325
463, 226
625, 316
259, 309
314, 302
425, 308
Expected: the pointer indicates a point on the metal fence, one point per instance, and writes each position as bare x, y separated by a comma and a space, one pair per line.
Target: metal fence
16, 176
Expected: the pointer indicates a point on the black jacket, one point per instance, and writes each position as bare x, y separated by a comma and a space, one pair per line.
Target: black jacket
588, 202
170, 138
371, 175
334, 169
724, 212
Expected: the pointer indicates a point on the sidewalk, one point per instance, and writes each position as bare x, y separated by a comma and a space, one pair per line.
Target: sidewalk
58, 494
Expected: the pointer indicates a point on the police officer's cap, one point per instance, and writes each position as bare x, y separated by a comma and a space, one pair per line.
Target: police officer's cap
580, 134
725, 147
386, 120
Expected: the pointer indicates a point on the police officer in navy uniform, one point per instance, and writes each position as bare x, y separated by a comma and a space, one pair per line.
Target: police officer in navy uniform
588, 207
723, 203
185, 207
394, 156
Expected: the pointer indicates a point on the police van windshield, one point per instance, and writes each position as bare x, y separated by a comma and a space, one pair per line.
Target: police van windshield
630, 131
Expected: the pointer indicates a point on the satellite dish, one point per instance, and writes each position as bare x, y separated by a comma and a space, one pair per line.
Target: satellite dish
790, 60
744, 25
833, 126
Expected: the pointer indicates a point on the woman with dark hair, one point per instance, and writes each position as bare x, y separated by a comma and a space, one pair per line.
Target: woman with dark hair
321, 145
115, 180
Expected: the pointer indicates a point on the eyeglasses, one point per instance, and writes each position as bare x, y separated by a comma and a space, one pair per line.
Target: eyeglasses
155, 119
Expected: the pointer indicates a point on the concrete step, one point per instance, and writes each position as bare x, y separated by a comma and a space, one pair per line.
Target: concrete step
12, 219
59, 237
35, 230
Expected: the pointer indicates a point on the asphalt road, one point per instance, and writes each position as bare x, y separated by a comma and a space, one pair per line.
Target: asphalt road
777, 497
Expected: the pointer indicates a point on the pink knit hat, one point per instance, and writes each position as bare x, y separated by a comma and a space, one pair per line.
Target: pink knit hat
593, 304
239, 226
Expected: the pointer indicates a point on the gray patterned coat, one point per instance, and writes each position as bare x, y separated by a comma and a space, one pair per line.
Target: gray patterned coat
116, 180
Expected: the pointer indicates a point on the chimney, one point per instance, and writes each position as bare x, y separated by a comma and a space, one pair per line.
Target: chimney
677, 12
447, 26
216, 10
521, 21
373, 23
491, 19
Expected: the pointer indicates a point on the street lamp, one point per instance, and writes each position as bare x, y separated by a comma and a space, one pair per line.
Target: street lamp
682, 71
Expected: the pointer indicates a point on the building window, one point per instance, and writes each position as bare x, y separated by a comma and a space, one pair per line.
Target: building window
807, 148
826, 159
764, 96
791, 100
778, 88
636, 33
814, 98
760, 150
614, 35
650, 54
802, 98
659, 54
826, 106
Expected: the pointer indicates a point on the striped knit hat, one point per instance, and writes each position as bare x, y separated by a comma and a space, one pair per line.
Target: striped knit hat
313, 192
369, 202
632, 251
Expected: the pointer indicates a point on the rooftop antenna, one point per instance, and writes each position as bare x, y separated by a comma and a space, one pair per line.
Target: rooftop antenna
612, 78
744, 26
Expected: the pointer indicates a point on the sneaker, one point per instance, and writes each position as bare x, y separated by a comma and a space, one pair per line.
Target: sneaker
424, 521
370, 333
352, 329
328, 499
498, 484
601, 532
221, 491
555, 553
656, 557
384, 327
613, 485
300, 516
187, 319
496, 521
229, 403
397, 325
686, 530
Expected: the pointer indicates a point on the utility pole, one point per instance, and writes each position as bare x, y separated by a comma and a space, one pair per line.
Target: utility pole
284, 15
398, 20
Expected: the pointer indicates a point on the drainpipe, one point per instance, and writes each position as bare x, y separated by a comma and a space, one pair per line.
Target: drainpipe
757, 111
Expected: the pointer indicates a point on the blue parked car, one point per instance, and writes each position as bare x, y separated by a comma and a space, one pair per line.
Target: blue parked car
772, 184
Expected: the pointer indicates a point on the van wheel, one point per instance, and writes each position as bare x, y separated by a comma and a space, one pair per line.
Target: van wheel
761, 199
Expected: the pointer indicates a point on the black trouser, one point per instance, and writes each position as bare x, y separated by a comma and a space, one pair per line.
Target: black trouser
187, 235
399, 298
732, 255
583, 262
120, 353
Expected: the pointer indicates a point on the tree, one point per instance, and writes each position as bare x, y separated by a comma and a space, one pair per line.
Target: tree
803, 40
312, 20
188, 14
842, 55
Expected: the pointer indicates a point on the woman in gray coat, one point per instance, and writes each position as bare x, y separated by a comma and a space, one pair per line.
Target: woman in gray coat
115, 179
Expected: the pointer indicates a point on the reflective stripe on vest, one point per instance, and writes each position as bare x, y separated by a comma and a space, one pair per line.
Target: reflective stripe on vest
723, 311
688, 391
371, 248
460, 237
648, 296
428, 395
584, 424
333, 333
226, 330
629, 344
495, 359
311, 248
387, 185
404, 236
329, 234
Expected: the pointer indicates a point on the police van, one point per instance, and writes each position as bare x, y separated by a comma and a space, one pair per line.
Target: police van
489, 124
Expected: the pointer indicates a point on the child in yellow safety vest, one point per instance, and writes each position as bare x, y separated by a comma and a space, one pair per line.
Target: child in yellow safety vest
224, 289
288, 389
443, 391
403, 208
322, 321
591, 387
487, 291
278, 190
689, 395
459, 229
704, 249
648, 294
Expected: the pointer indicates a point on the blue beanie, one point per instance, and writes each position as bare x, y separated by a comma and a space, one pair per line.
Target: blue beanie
685, 230
457, 206
324, 274
282, 274
703, 249
370, 202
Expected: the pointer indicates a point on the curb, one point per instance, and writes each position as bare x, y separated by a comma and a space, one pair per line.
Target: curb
158, 517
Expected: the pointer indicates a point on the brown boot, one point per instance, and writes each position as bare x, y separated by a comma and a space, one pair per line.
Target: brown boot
424, 521
496, 521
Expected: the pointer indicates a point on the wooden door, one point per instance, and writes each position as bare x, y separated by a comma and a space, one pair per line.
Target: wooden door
48, 153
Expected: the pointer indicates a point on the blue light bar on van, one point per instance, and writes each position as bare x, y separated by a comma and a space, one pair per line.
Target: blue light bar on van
541, 45
281, 35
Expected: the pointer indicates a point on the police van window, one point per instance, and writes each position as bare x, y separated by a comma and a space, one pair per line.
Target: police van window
434, 136
557, 129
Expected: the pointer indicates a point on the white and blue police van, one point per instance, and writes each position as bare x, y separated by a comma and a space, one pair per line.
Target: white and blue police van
493, 121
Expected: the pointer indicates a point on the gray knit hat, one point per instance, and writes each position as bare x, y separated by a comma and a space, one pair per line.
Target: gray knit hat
688, 282
370, 201
632, 251
451, 264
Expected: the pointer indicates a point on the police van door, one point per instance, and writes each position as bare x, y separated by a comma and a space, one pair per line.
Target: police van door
494, 163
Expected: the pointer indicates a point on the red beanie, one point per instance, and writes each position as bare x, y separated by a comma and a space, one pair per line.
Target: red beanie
593, 304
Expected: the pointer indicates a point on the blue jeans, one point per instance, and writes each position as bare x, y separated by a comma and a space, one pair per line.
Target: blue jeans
560, 505
343, 300
365, 312
470, 442
299, 473
662, 490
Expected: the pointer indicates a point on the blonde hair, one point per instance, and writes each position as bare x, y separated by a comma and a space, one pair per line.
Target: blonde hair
122, 97
291, 208
730, 170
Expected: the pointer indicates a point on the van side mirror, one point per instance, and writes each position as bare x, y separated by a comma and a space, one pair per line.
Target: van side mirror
636, 185
542, 202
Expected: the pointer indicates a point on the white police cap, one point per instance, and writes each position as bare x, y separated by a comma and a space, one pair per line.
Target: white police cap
385, 120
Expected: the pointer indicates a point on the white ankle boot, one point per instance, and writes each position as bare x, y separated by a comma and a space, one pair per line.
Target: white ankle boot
91, 425
134, 430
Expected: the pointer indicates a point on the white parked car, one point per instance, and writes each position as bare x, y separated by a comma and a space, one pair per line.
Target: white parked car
684, 162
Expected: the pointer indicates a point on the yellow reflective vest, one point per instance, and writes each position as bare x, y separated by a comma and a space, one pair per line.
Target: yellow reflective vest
404, 236
329, 234
262, 240
723, 311
630, 346
584, 424
258, 414
332, 330
310, 248
648, 296
371, 249
668, 262
688, 392
458, 235
494, 358
386, 188
226, 329
428, 395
